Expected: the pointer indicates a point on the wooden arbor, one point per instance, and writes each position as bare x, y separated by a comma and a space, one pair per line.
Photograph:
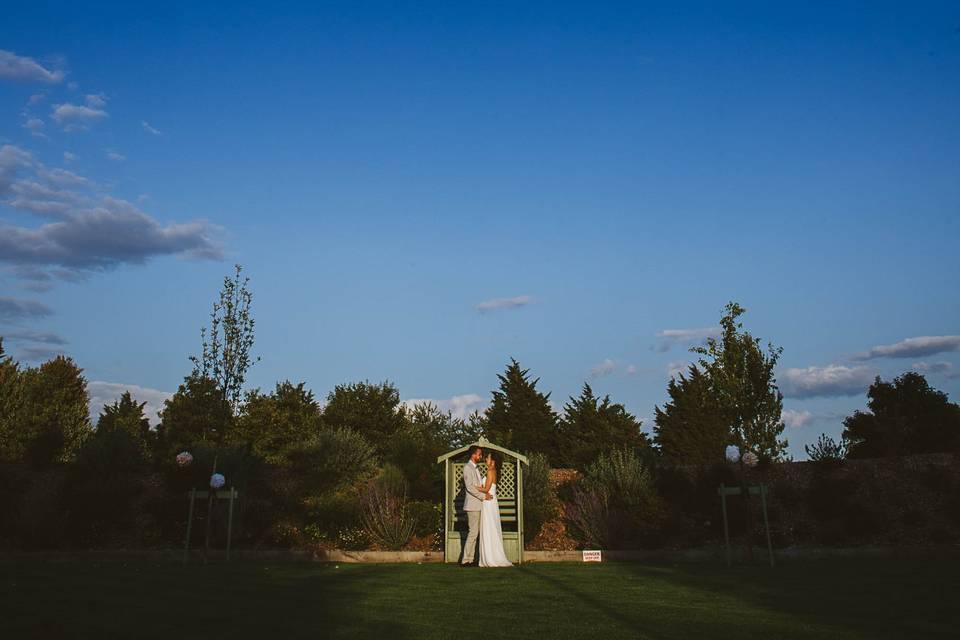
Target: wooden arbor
509, 496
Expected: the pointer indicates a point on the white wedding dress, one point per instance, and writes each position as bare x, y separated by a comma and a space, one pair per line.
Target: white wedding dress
491, 534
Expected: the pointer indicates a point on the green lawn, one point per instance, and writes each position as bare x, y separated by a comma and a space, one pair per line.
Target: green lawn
879, 599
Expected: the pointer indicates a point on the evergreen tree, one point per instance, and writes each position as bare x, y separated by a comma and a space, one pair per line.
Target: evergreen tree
127, 416
591, 426
275, 423
520, 417
11, 398
689, 429
905, 417
54, 421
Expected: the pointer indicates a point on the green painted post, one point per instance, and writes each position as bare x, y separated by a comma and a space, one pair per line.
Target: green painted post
766, 522
186, 546
726, 530
519, 498
446, 509
233, 494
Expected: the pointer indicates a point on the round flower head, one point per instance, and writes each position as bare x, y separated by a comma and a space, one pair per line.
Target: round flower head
184, 458
217, 481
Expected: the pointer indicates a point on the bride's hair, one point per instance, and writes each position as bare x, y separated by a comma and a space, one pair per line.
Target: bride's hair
497, 460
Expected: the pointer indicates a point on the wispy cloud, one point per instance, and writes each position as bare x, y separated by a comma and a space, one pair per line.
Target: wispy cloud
832, 380
150, 130
34, 126
945, 369
76, 117
17, 309
602, 369
631, 369
116, 157
669, 338
503, 303
69, 157
459, 406
918, 347
96, 100
24, 69
42, 337
106, 393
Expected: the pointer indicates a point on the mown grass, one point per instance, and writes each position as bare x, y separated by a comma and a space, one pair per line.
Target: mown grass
850, 599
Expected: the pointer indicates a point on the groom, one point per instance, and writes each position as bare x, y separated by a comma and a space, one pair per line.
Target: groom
472, 502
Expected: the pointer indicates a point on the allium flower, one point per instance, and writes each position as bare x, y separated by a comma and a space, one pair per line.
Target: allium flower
184, 458
750, 459
217, 481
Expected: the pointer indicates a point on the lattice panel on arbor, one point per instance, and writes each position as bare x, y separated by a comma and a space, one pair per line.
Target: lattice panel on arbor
506, 483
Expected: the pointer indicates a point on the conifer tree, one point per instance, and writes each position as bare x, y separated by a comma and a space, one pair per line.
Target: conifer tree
520, 417
591, 426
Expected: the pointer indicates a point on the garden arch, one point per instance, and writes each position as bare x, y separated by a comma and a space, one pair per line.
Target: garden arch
509, 496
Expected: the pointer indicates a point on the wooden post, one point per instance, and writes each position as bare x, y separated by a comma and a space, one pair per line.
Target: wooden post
726, 530
446, 509
519, 499
186, 546
233, 495
766, 522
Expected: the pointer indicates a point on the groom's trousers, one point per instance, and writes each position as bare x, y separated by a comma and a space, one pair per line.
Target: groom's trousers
473, 524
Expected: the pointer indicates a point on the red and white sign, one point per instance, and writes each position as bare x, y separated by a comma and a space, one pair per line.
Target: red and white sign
591, 556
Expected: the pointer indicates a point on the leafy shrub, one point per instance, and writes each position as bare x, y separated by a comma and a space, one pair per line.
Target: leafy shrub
539, 499
826, 450
103, 485
427, 517
332, 460
334, 512
616, 506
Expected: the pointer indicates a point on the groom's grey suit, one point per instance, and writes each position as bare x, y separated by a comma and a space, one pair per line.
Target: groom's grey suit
472, 503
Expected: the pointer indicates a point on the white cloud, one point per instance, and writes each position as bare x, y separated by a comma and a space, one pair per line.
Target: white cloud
502, 303
116, 157
75, 117
832, 380
939, 368
604, 368
23, 69
43, 337
687, 337
460, 406
34, 126
149, 129
796, 419
96, 100
106, 393
36, 99
913, 348
631, 370
69, 157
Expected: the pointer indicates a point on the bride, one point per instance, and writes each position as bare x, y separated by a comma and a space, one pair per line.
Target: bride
491, 535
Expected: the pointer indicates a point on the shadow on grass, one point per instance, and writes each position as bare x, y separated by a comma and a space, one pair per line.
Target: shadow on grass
116, 600
876, 599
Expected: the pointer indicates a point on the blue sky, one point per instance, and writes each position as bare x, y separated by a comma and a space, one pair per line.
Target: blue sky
608, 174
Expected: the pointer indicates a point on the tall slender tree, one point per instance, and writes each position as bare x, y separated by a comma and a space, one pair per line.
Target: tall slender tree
11, 399
55, 412
225, 348
743, 386
519, 416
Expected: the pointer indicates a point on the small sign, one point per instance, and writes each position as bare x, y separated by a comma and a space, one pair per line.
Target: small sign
591, 556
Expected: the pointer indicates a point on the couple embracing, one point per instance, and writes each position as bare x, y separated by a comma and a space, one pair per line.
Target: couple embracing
483, 512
